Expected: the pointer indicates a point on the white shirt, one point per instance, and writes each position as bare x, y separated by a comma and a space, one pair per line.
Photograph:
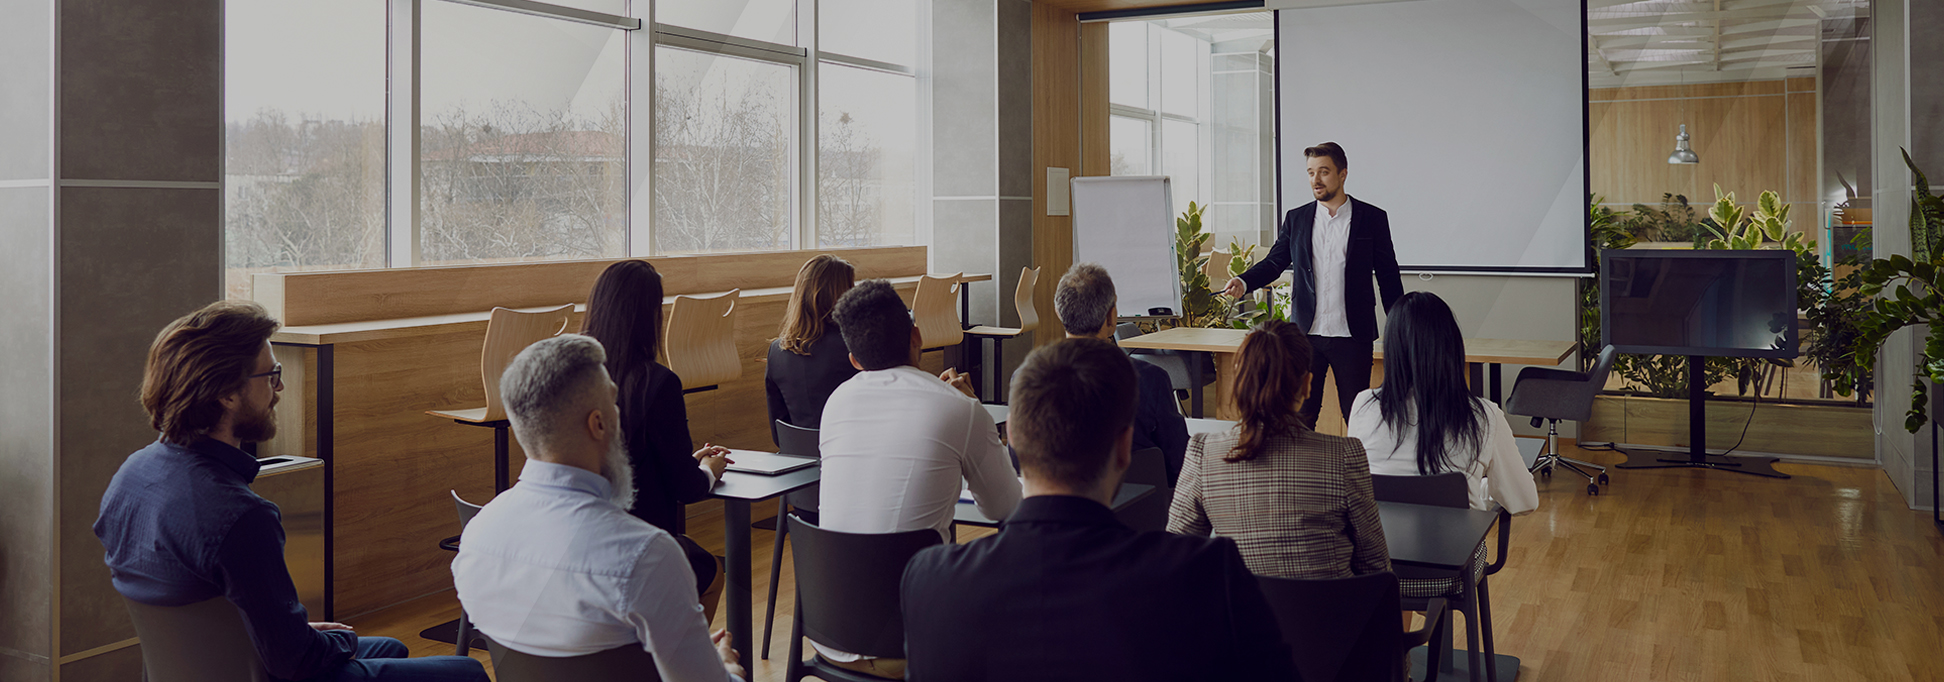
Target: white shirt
552, 568
1329, 244
1497, 472
896, 443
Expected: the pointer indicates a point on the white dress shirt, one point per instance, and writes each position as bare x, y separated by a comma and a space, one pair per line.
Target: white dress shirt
1497, 472
896, 443
1329, 244
552, 568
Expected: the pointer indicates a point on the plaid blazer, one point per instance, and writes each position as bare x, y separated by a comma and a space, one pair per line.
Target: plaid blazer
1302, 508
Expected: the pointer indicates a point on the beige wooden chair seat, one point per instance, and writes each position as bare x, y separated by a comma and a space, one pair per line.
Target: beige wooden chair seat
475, 415
700, 341
508, 332
1028, 322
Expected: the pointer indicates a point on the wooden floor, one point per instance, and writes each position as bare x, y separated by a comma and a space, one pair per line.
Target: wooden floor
1669, 575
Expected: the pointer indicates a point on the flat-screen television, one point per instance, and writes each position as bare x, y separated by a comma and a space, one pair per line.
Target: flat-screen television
1705, 303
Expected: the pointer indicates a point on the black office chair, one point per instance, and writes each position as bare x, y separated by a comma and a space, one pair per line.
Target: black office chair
1151, 513
1421, 586
847, 595
627, 663
465, 636
1551, 395
201, 642
801, 442
1342, 628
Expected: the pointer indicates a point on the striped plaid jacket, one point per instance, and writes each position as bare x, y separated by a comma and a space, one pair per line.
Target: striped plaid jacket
1302, 508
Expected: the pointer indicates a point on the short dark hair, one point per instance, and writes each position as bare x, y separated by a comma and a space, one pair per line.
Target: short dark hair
1082, 299
875, 324
1329, 149
198, 360
1070, 400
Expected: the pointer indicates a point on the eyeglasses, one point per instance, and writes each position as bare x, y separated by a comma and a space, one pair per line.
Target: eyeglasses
275, 374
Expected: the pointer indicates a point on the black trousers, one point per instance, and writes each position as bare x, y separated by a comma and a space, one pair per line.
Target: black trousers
1347, 358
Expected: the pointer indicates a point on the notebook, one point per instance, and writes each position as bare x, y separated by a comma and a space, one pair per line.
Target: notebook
767, 463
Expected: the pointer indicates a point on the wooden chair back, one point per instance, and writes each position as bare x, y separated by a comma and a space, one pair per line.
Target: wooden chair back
1217, 268
700, 342
507, 333
1023, 299
201, 642
935, 310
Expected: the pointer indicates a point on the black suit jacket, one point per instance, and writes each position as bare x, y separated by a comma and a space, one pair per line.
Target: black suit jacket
1065, 592
654, 418
799, 385
1369, 254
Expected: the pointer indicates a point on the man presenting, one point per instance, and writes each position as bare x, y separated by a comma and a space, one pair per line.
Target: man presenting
1335, 244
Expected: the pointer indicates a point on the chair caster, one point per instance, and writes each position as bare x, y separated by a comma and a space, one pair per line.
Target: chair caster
1603, 479
1546, 471
1592, 489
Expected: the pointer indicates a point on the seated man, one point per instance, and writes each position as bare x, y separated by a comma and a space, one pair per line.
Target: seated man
897, 441
181, 525
1064, 591
556, 566
1085, 303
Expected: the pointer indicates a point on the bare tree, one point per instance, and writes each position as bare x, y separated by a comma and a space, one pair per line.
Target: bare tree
850, 202
722, 171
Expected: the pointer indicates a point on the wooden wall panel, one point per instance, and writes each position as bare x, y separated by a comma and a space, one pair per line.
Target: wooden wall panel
1803, 125
1056, 140
1603, 127
1096, 142
1698, 90
1744, 141
352, 295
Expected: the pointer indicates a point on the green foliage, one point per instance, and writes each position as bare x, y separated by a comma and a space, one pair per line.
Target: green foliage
1609, 231
1735, 230
1201, 307
1905, 292
1926, 217
1673, 221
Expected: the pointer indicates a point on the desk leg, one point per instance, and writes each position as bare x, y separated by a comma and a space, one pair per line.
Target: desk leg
735, 537
1194, 383
1477, 375
500, 465
326, 450
1495, 380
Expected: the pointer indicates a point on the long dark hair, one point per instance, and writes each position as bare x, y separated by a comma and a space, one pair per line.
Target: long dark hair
1271, 377
819, 284
624, 313
1424, 376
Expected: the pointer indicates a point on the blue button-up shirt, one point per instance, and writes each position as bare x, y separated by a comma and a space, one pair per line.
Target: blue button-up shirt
181, 525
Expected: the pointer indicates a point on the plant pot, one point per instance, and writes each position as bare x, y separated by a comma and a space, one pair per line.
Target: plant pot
1775, 428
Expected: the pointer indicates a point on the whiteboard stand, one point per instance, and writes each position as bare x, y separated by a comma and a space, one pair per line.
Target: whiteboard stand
1127, 225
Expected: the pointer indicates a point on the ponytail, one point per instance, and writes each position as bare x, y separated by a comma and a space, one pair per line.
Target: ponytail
1272, 370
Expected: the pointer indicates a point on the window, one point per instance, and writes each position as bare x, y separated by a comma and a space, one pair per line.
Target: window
525, 129
1191, 99
522, 138
304, 138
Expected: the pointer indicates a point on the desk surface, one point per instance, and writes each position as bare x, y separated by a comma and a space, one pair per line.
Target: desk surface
1502, 351
1433, 537
998, 412
968, 513
747, 487
1208, 425
406, 327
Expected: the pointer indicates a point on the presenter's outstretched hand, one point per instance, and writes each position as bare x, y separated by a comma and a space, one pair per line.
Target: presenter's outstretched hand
1236, 288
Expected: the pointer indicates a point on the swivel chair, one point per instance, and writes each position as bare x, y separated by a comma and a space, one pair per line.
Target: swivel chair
1551, 395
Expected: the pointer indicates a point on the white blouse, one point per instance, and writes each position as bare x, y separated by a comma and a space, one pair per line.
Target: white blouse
1496, 472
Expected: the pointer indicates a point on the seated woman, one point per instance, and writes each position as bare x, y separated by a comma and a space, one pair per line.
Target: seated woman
808, 359
624, 313
1297, 503
1423, 420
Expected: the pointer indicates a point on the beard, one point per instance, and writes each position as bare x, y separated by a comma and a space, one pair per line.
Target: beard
619, 471
1324, 194
257, 427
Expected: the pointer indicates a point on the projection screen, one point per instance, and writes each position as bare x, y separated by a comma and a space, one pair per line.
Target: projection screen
1463, 119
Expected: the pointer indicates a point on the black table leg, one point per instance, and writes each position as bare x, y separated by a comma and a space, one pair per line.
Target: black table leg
500, 465
1477, 373
735, 540
1495, 379
326, 450
1194, 383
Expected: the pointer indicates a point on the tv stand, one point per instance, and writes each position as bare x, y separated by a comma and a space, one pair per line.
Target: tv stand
1698, 457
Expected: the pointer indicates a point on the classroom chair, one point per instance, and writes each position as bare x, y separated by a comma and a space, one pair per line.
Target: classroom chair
934, 308
1552, 395
802, 442
847, 595
201, 642
464, 635
700, 341
626, 663
1467, 591
1150, 513
508, 332
1342, 630
1028, 321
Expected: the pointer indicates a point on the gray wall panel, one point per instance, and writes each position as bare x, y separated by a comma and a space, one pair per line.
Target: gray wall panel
26, 427
964, 98
141, 90
1015, 99
27, 50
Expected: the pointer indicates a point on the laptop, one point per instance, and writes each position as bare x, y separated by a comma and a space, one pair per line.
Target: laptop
767, 463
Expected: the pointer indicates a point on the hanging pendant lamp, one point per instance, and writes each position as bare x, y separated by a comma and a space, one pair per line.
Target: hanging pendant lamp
1682, 154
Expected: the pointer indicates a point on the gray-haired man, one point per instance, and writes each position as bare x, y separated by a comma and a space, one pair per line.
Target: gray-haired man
556, 566
1085, 303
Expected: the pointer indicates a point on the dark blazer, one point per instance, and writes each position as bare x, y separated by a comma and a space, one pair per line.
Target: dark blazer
1158, 422
1369, 254
1065, 592
799, 385
655, 420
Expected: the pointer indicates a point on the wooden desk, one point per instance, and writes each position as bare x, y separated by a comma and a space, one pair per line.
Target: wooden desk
1479, 354
737, 490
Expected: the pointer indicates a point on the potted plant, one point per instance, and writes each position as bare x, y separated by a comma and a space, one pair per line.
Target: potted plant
1905, 291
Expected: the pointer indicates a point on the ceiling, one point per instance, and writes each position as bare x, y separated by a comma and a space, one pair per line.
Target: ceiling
1649, 42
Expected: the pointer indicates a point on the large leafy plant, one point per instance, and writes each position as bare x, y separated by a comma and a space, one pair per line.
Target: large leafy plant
1200, 306
1906, 293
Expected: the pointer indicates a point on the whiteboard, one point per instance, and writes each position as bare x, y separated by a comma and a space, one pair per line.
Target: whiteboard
1126, 224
